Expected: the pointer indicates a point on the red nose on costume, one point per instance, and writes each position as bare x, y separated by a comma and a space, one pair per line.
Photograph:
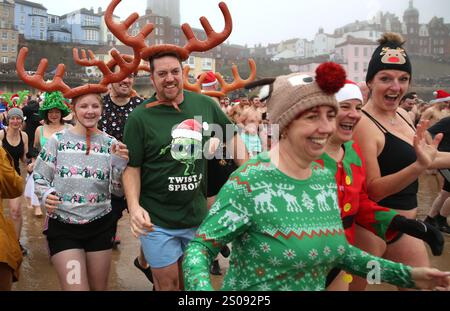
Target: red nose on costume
394, 59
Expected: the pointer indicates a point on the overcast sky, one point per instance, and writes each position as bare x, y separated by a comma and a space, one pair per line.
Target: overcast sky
271, 21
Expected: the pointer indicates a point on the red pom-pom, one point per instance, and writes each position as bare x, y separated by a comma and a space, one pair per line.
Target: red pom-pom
330, 77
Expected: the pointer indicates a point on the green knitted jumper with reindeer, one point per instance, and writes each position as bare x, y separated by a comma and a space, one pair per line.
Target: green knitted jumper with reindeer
286, 234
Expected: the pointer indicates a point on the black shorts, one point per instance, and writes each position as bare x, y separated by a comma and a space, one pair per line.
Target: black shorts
446, 186
118, 205
92, 237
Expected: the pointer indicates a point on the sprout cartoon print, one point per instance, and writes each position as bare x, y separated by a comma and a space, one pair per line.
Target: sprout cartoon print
186, 145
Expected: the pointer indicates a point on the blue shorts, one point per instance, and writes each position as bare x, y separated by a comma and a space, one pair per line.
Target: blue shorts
163, 247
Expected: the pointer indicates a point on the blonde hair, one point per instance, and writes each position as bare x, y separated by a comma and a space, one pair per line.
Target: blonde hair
249, 111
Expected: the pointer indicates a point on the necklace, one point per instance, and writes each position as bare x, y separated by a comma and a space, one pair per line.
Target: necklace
393, 121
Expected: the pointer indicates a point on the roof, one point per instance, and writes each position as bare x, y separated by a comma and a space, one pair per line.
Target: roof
286, 54
31, 4
82, 11
58, 29
290, 41
357, 41
314, 60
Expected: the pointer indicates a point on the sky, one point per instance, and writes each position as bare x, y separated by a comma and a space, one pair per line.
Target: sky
271, 21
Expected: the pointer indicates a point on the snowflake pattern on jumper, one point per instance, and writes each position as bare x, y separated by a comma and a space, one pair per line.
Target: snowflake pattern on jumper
286, 234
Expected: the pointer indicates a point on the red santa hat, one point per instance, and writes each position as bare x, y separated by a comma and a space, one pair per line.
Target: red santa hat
188, 129
349, 91
441, 96
14, 97
210, 79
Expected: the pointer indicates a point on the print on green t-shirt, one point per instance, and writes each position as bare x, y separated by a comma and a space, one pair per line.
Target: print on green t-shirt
167, 146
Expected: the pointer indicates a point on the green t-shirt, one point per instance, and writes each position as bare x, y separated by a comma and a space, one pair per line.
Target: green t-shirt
168, 147
286, 234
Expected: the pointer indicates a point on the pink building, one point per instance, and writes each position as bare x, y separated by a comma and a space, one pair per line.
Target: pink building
354, 54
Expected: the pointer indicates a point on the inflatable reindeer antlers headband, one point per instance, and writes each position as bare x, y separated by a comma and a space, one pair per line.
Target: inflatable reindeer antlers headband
127, 65
238, 82
120, 30
37, 80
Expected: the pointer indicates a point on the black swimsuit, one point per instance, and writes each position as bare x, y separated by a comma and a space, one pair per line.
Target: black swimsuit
396, 155
16, 152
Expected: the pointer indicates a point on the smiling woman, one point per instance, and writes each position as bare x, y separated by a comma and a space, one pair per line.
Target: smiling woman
395, 151
280, 209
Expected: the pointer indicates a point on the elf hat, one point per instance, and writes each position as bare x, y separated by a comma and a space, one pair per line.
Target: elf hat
441, 96
188, 129
349, 91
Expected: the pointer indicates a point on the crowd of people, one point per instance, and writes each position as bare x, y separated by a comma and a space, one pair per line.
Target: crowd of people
306, 180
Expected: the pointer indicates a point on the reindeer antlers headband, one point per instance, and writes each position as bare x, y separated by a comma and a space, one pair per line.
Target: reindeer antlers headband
57, 84
120, 30
238, 82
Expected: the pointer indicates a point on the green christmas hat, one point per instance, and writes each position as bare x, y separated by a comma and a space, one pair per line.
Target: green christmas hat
54, 100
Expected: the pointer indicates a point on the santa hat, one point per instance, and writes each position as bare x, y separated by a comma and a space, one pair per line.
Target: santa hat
210, 79
14, 97
441, 96
349, 91
188, 129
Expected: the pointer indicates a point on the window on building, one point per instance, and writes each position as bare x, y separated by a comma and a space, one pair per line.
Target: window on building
5, 60
89, 20
41, 35
157, 31
4, 47
90, 35
356, 66
4, 35
206, 64
365, 66
161, 31
356, 51
366, 52
41, 22
22, 8
13, 48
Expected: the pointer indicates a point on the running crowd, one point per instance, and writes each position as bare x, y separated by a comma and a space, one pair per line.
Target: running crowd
302, 184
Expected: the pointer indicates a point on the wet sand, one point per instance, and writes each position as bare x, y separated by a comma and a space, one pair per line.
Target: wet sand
37, 273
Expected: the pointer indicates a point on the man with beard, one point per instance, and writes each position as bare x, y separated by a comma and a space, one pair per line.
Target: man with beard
118, 104
166, 191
